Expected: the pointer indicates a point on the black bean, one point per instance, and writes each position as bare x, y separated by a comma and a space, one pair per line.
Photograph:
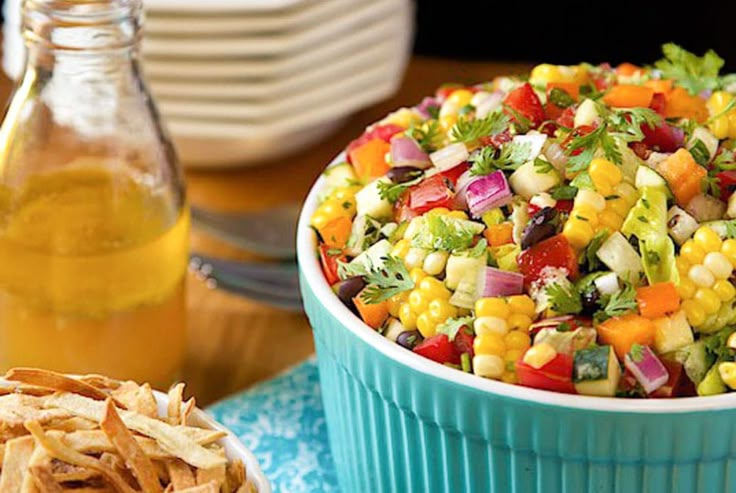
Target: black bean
541, 226
349, 289
590, 298
409, 338
402, 174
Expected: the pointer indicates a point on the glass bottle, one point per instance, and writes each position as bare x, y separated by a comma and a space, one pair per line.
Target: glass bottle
93, 218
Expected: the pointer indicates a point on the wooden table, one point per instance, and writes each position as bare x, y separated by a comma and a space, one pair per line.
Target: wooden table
235, 342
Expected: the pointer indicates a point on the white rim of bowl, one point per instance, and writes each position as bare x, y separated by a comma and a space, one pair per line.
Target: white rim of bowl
312, 275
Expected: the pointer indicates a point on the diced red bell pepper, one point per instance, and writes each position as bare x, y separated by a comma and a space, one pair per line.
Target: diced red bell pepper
727, 183
438, 348
663, 138
464, 341
454, 173
429, 194
496, 140
577, 132
555, 375
383, 132
567, 118
552, 252
524, 101
659, 102
329, 259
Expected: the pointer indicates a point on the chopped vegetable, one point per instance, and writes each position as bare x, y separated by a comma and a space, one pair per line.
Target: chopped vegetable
646, 368
624, 332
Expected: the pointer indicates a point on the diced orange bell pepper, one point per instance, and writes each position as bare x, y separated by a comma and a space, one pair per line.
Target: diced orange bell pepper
624, 332
681, 104
499, 234
369, 159
373, 314
335, 233
569, 87
657, 300
683, 174
629, 96
663, 86
627, 69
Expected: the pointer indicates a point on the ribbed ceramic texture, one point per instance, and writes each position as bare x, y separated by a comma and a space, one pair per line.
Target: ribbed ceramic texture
396, 429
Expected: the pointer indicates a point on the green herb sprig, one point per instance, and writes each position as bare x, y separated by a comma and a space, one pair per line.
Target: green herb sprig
383, 280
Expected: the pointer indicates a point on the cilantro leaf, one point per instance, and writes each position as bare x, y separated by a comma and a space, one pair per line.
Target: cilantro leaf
564, 298
542, 165
561, 98
690, 71
489, 159
392, 191
700, 152
468, 130
451, 326
617, 304
382, 281
564, 192
636, 353
589, 256
446, 233
428, 135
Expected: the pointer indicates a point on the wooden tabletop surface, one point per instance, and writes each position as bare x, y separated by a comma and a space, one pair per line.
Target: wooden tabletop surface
235, 342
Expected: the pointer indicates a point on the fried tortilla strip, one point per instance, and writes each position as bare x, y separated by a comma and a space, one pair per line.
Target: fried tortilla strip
15, 409
205, 488
170, 438
188, 409
100, 381
56, 381
180, 474
44, 480
138, 398
39, 458
176, 396
235, 474
213, 474
18, 453
58, 450
72, 424
130, 450
247, 487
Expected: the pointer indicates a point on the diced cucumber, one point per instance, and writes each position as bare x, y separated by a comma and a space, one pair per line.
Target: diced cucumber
527, 181
647, 177
340, 175
535, 140
466, 293
596, 371
461, 266
672, 333
368, 201
712, 384
707, 138
607, 284
586, 114
375, 255
620, 257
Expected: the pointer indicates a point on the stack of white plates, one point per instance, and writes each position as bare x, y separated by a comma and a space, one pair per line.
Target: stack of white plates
243, 81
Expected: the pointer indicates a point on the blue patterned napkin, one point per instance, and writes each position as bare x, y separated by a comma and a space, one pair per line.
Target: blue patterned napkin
282, 422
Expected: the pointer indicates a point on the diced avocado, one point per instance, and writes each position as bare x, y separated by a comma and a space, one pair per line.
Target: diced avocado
712, 384
647, 177
596, 371
672, 333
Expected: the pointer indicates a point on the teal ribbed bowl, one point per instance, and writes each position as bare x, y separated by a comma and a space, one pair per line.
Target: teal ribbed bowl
400, 423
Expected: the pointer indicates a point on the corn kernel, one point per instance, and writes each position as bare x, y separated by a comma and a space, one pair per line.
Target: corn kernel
605, 175
718, 264
590, 198
686, 289
492, 307
434, 288
694, 312
619, 206
440, 310
426, 325
610, 220
519, 321
415, 257
509, 377
418, 301
586, 213
416, 275
517, 340
514, 355
434, 263
484, 325
460, 97
545, 73
692, 252
401, 248
701, 276
490, 343
708, 300
539, 355
488, 366
707, 239
731, 342
458, 215
729, 250
578, 233
439, 211
683, 266
627, 192
724, 290
407, 317
522, 304
727, 370
394, 304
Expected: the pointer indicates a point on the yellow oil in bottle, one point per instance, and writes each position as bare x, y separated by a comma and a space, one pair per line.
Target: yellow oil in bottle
92, 272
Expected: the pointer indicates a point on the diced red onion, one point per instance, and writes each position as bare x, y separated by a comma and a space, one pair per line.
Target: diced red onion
423, 107
648, 370
488, 104
496, 282
406, 152
450, 156
461, 188
705, 208
488, 192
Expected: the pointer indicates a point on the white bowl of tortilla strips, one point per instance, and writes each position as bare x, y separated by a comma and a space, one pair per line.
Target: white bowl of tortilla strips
60, 433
